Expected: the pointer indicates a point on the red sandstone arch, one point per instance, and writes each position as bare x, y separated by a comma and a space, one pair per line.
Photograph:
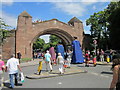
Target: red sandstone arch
27, 32
66, 37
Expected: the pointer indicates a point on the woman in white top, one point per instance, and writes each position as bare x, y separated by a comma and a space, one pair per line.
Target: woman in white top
60, 62
69, 57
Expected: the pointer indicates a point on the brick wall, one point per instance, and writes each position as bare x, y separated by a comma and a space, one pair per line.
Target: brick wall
9, 46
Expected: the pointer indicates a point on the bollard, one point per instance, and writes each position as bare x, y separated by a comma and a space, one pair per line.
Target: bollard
40, 67
108, 59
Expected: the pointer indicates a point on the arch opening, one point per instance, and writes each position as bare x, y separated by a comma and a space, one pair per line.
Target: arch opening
62, 36
57, 32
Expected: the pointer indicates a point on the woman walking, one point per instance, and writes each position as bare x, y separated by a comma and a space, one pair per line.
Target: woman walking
69, 58
60, 61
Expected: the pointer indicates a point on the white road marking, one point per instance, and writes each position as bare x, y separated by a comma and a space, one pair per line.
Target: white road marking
60, 83
6, 81
94, 73
100, 75
104, 76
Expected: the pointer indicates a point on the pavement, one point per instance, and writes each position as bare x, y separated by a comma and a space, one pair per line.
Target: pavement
102, 63
55, 73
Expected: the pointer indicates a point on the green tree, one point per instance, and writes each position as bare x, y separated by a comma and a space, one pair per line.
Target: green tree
38, 44
100, 22
4, 30
98, 25
46, 47
54, 40
114, 27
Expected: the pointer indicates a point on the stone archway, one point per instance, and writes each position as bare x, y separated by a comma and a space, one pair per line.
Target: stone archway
66, 37
27, 32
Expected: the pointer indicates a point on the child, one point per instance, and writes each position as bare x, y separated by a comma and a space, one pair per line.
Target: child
60, 62
69, 55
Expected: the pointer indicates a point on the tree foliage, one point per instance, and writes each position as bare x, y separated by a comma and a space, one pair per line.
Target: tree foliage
101, 21
54, 40
38, 44
4, 30
114, 27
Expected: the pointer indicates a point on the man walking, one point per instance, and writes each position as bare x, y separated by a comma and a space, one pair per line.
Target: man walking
12, 66
19, 56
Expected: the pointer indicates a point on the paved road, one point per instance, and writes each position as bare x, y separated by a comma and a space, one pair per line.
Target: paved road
96, 77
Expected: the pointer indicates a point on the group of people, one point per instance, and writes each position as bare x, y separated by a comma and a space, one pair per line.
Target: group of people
37, 55
102, 55
98, 55
75, 56
60, 61
115, 67
63, 58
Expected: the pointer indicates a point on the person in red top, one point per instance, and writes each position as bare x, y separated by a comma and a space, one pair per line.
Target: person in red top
87, 58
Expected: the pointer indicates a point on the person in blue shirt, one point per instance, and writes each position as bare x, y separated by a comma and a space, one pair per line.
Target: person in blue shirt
47, 58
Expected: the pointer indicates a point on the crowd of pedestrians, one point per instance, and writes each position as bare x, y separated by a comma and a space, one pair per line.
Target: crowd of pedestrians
63, 60
99, 55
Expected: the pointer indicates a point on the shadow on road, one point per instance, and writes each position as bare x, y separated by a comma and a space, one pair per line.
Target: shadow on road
84, 66
8, 84
104, 72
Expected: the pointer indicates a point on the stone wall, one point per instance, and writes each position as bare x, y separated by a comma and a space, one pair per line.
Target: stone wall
9, 46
